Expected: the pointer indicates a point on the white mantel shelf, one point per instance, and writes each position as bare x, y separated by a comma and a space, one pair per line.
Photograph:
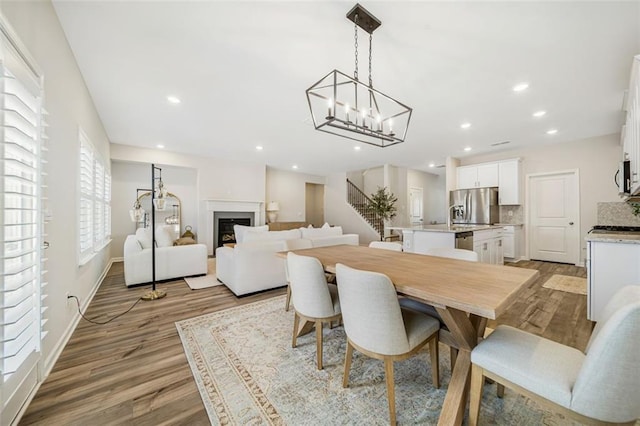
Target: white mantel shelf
213, 206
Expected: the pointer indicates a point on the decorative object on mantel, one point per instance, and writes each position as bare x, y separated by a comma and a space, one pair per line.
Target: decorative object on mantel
272, 210
347, 107
134, 214
383, 206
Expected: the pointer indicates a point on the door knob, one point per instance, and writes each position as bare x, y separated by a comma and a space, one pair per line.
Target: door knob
570, 223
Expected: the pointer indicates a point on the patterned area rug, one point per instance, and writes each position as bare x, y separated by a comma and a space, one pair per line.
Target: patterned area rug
247, 373
566, 283
209, 280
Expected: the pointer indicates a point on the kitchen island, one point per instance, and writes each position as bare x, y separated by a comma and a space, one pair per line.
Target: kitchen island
486, 240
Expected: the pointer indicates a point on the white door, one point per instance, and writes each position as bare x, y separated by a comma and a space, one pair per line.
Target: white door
554, 212
415, 206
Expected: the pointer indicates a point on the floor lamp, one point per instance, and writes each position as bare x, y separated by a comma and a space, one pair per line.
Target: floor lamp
137, 213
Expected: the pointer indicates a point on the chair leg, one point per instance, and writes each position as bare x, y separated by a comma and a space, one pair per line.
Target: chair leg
288, 302
347, 365
319, 343
453, 354
391, 393
477, 382
435, 361
500, 390
296, 321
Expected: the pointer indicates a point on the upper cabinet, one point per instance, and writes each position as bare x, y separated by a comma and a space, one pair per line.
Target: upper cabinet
509, 182
503, 174
478, 176
631, 129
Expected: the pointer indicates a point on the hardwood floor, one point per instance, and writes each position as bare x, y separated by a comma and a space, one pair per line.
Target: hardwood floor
133, 369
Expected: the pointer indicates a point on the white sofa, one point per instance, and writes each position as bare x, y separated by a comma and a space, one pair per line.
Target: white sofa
252, 265
171, 261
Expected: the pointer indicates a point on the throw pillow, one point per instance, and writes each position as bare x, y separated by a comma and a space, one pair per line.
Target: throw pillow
143, 235
240, 230
164, 236
271, 235
326, 225
321, 232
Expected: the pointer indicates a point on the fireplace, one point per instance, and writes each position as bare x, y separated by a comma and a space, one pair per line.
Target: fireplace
225, 229
229, 209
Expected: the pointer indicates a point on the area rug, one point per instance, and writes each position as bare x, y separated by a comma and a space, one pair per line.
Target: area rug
206, 281
566, 283
247, 373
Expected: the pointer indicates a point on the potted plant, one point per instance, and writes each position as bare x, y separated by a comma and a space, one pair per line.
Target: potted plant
383, 206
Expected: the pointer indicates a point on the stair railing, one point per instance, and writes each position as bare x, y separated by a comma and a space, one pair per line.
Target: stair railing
362, 203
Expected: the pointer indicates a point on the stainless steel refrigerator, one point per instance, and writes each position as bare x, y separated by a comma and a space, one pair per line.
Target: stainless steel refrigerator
474, 206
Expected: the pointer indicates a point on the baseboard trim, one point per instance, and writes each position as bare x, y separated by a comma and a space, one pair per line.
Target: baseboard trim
117, 259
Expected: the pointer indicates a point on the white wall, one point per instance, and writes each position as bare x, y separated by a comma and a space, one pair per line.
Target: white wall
288, 189
217, 179
70, 106
433, 190
127, 177
337, 211
372, 179
595, 158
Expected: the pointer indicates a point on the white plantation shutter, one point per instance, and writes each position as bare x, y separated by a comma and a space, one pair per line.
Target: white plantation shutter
85, 232
21, 181
95, 201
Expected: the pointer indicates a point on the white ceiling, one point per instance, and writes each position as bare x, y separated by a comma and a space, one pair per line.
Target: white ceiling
241, 70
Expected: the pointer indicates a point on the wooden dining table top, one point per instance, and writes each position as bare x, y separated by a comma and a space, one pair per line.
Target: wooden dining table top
478, 288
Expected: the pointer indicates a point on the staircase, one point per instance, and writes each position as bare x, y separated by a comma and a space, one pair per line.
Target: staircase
361, 203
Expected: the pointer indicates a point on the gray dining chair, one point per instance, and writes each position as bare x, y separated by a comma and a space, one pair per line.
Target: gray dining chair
601, 386
313, 298
377, 327
445, 335
386, 245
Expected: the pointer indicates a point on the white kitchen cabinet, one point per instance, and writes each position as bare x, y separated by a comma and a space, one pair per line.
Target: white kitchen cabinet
488, 244
610, 266
477, 176
509, 182
511, 242
631, 129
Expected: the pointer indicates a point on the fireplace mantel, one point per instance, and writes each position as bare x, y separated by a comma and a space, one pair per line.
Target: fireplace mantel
213, 206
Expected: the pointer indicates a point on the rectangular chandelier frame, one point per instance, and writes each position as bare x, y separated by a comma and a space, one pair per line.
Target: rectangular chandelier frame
344, 106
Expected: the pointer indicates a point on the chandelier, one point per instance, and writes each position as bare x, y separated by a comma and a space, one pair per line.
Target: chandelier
345, 106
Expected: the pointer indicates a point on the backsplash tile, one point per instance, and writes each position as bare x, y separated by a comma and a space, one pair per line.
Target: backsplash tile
517, 217
617, 214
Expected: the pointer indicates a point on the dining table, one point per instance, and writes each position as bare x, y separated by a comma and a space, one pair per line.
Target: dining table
465, 295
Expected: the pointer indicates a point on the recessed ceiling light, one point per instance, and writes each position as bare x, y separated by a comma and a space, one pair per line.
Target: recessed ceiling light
295, 167
160, 146
258, 148
520, 87
173, 100
539, 113
432, 165
468, 148
465, 125
357, 148
552, 131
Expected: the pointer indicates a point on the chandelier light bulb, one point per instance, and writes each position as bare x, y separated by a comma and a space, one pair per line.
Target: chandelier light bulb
346, 112
330, 108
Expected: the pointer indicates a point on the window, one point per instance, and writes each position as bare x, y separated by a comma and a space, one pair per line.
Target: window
95, 201
21, 230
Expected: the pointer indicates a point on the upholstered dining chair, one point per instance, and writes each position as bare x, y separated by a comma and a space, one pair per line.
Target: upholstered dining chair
445, 335
377, 327
313, 298
387, 245
601, 386
300, 244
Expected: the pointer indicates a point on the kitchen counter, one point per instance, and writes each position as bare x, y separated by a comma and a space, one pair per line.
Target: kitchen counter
617, 237
444, 228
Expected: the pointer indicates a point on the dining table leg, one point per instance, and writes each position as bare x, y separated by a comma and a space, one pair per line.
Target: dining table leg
465, 329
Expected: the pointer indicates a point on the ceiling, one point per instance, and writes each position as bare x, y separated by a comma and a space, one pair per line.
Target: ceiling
241, 69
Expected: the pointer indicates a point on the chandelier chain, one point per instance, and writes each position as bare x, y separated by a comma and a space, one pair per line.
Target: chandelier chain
370, 56
355, 72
